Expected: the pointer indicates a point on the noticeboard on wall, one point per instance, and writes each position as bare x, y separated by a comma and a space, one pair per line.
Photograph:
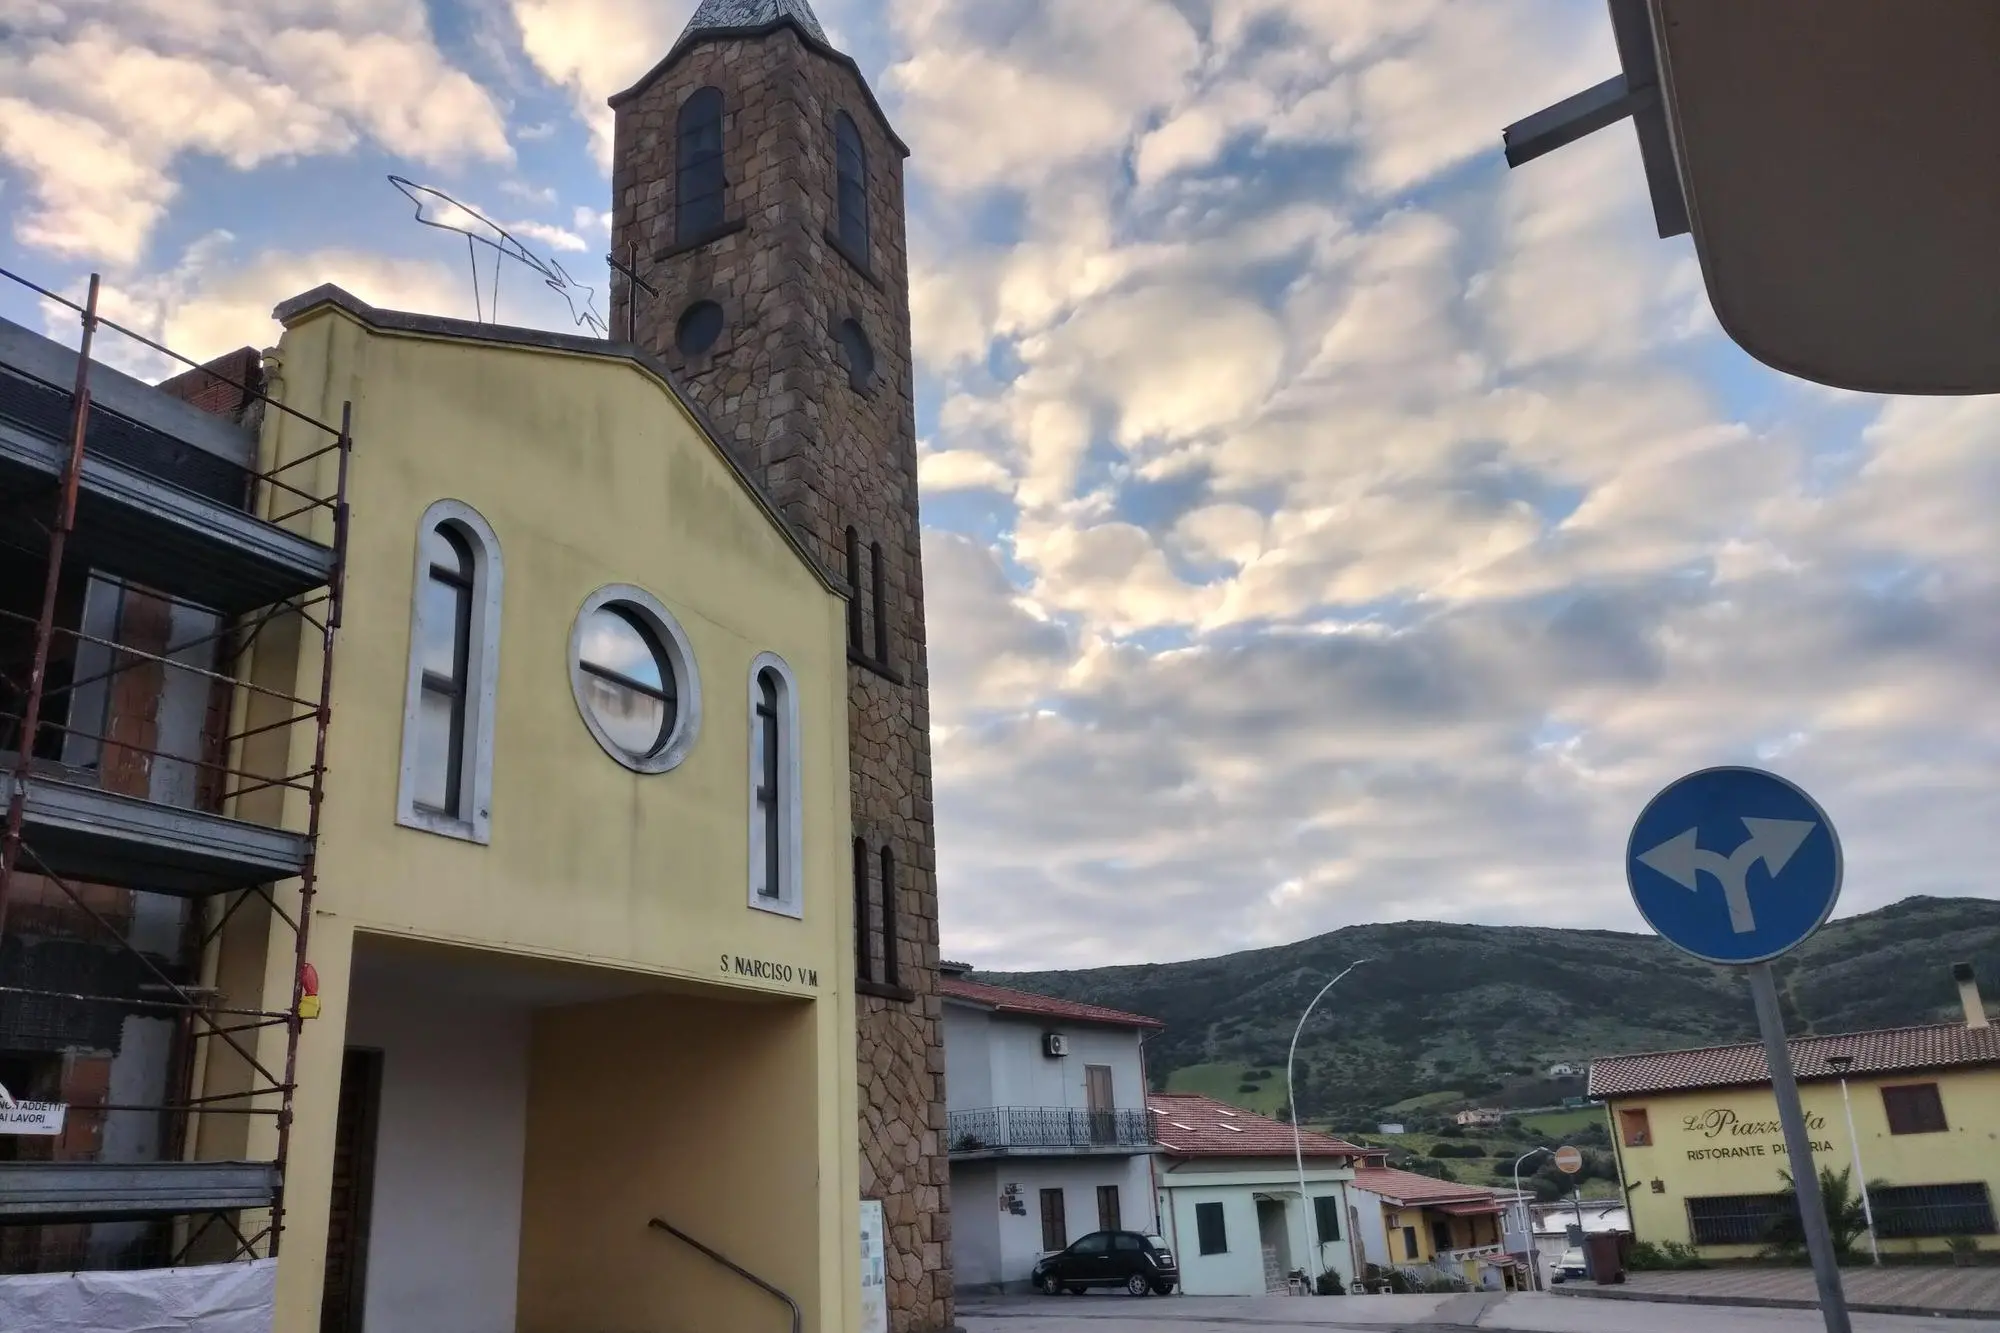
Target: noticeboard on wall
874, 1273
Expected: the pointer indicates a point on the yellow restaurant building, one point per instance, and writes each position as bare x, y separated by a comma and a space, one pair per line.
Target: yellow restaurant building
1700, 1150
582, 926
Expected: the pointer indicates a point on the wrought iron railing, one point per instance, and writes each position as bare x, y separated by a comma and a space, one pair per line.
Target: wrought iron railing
1005, 1128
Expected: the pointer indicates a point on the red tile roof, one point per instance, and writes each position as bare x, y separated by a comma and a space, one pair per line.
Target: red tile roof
1001, 999
1471, 1207
1188, 1124
1407, 1189
1886, 1051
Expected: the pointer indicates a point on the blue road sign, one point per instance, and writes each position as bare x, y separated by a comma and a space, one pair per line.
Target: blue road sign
1733, 865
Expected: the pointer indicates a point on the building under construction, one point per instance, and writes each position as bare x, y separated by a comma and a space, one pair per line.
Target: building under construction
155, 797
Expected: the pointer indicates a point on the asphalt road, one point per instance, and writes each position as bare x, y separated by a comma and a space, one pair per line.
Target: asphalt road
1408, 1314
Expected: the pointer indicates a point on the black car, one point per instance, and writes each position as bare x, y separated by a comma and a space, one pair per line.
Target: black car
1128, 1259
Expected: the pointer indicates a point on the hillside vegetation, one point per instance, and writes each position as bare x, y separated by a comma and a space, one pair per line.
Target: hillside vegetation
1482, 1011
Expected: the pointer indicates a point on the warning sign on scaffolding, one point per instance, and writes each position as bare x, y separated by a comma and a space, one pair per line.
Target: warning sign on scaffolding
44, 1119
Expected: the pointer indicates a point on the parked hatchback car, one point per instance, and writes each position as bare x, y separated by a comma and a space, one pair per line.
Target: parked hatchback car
1129, 1259
1569, 1268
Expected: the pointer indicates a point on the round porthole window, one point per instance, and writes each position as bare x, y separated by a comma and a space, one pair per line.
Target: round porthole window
634, 678
700, 325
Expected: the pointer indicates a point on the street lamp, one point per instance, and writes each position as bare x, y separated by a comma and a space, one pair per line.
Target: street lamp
1840, 1064
1534, 1260
1298, 1148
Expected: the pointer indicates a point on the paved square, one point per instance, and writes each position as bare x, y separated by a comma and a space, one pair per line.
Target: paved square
1912, 1287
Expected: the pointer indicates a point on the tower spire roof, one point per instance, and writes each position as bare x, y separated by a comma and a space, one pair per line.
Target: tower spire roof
732, 15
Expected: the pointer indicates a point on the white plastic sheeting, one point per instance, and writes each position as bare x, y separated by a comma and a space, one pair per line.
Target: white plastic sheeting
216, 1298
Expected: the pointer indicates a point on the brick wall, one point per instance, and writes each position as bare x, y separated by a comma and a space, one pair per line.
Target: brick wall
831, 456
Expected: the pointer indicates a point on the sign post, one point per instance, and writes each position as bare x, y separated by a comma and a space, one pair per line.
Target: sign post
1691, 862
1569, 1161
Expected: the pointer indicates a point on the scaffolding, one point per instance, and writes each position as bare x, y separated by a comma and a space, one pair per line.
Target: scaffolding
118, 488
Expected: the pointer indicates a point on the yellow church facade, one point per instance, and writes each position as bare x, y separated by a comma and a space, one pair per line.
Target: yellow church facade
583, 930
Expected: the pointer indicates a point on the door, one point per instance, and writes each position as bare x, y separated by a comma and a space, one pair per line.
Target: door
1107, 1209
1440, 1236
353, 1180
1275, 1238
1097, 1089
1055, 1228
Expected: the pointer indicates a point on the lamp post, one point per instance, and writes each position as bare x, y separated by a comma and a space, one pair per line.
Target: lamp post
1840, 1064
1298, 1148
1534, 1260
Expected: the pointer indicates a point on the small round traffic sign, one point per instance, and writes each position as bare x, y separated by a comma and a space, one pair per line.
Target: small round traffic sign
1733, 865
1569, 1159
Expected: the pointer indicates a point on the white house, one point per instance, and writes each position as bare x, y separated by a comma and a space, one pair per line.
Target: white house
1046, 1127
1565, 1070
1230, 1199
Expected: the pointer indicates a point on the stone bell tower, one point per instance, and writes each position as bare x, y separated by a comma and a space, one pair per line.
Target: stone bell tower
757, 188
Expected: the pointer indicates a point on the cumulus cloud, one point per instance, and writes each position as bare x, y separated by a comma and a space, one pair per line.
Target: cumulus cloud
218, 298
105, 101
594, 48
1327, 523
1406, 522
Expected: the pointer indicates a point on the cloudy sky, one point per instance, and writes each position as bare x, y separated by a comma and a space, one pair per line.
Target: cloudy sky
1324, 524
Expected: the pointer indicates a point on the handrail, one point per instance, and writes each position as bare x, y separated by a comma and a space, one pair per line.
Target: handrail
798, 1316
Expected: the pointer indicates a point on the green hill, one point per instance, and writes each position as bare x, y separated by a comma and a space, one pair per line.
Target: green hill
1485, 1010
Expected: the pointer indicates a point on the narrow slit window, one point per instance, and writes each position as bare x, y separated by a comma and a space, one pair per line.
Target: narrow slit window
864, 928
764, 780
891, 970
443, 648
855, 641
777, 840
851, 187
881, 600
699, 182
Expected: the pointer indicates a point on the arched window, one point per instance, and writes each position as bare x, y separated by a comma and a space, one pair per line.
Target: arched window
856, 350
777, 841
698, 178
446, 782
851, 188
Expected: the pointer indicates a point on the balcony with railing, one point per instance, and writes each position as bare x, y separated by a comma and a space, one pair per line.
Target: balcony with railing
1047, 1131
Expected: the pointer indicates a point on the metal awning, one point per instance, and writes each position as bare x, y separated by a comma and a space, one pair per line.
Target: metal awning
114, 1192
1833, 160
100, 837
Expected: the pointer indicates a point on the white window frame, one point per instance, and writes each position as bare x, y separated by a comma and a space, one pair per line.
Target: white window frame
482, 672
673, 641
791, 791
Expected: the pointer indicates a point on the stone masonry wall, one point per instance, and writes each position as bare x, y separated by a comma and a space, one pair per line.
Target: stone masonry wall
830, 456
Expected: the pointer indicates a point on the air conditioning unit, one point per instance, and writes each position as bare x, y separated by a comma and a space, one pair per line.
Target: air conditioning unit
1055, 1044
